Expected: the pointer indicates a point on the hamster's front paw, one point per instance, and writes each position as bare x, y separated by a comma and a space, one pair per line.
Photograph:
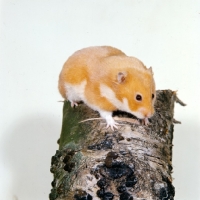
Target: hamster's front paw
109, 119
112, 124
145, 121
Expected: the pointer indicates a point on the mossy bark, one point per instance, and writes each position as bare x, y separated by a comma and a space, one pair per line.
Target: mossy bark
132, 162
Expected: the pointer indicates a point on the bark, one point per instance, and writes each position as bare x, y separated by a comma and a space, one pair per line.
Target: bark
133, 162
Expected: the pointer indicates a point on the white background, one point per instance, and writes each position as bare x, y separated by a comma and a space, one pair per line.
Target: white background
36, 37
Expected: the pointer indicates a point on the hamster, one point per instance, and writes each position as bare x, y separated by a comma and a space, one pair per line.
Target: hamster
106, 79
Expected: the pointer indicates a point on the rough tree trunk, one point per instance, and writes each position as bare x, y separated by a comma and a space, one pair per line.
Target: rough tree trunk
133, 162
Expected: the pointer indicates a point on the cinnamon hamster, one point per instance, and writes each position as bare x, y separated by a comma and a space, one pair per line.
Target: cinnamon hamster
106, 79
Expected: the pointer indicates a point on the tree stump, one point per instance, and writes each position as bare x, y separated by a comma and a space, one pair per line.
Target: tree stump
133, 162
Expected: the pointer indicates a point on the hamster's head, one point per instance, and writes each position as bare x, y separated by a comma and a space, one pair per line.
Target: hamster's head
137, 92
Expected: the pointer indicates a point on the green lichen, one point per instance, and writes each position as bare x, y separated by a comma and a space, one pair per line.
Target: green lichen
72, 131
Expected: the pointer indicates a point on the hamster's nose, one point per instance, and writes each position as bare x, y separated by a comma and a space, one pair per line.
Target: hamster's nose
149, 114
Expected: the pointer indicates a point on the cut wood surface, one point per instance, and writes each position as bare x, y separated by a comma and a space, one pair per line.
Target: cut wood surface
133, 162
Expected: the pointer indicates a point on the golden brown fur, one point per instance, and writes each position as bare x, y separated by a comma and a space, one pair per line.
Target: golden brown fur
123, 76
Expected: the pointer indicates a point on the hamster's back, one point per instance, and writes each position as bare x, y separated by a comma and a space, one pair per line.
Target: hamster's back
81, 64
98, 52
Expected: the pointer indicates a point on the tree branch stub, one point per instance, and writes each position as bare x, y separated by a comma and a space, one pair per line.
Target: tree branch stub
132, 162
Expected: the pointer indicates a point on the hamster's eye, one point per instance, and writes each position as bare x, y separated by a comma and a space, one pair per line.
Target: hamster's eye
138, 97
152, 96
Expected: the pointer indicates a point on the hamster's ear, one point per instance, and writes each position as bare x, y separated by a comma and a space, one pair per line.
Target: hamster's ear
121, 77
150, 70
